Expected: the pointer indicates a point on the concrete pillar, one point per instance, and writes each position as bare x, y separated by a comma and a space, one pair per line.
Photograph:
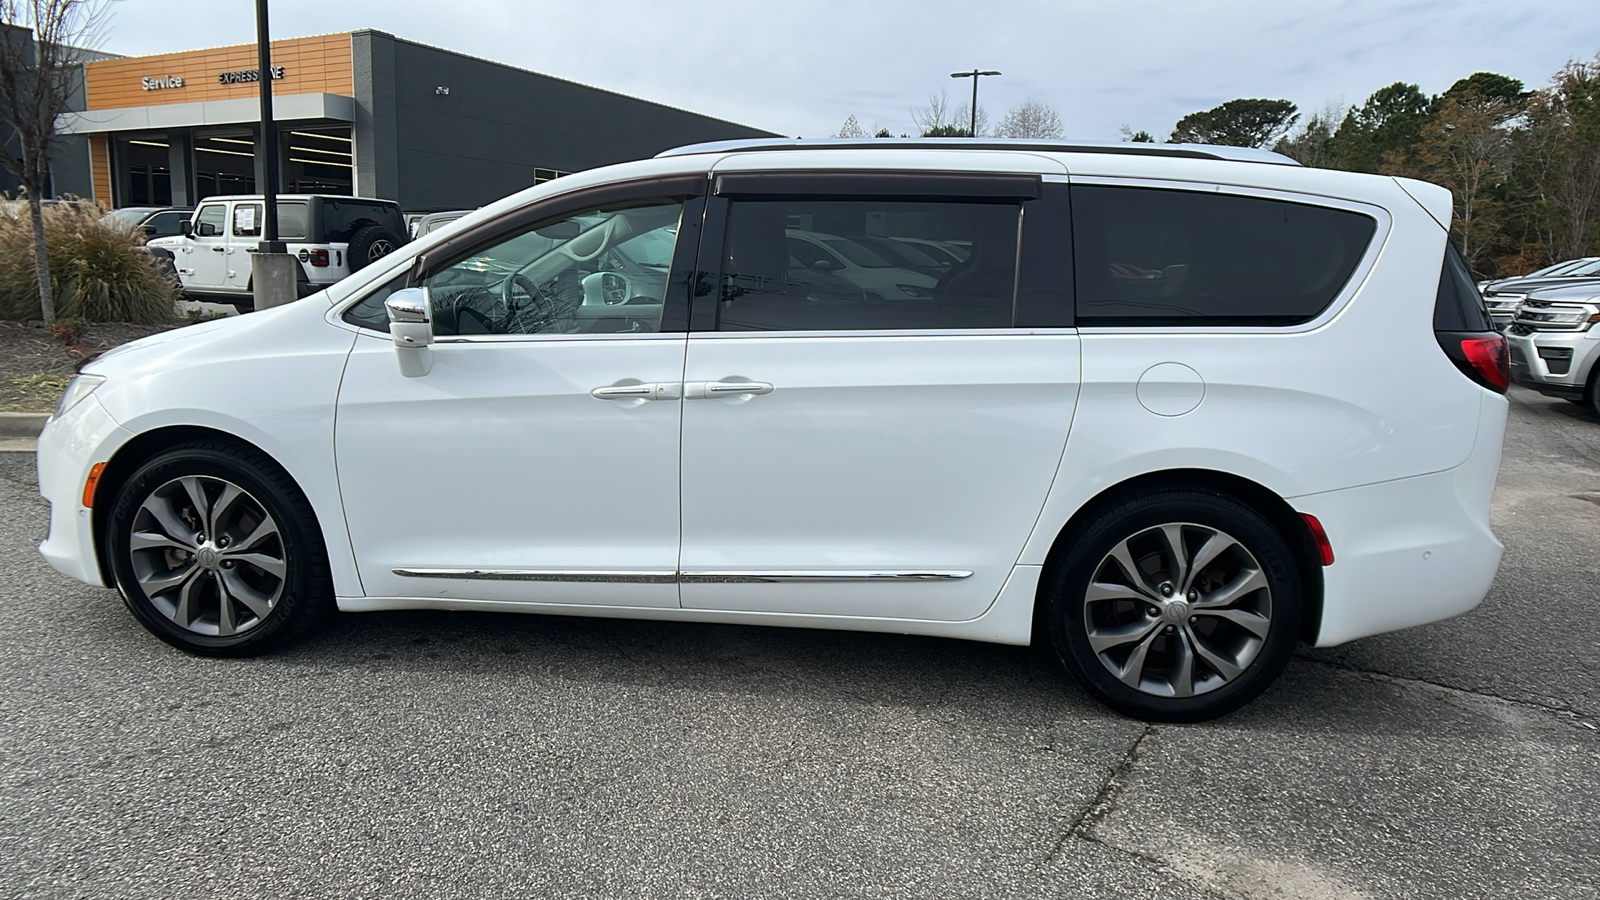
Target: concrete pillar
273, 278
180, 162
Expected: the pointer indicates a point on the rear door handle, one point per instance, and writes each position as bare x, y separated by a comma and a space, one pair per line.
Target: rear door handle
219, 250
701, 390
669, 390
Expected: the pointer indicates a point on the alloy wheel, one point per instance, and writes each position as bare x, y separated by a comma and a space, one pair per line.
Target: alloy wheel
208, 555
1178, 610
379, 249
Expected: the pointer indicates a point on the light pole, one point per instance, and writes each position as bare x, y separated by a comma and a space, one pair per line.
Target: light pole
273, 271
975, 74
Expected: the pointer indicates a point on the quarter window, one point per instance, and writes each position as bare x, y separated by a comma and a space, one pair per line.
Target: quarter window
1146, 256
843, 265
603, 271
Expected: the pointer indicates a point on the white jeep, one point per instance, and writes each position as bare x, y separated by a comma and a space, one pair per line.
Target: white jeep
332, 236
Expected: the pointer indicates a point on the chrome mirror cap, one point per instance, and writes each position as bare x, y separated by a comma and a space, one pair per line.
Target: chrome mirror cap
410, 326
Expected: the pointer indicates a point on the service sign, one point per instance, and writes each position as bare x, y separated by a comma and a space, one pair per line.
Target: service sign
161, 82
246, 76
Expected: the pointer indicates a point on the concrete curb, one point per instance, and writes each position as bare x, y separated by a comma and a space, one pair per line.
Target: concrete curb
22, 425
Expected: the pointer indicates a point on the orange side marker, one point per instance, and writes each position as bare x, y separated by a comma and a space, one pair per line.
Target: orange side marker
89, 485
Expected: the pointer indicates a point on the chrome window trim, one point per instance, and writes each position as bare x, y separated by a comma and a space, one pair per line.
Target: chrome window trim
1358, 278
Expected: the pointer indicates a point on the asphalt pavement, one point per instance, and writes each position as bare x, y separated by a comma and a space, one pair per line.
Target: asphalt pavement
446, 755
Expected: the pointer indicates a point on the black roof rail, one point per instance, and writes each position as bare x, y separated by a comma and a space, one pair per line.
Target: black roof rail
1022, 145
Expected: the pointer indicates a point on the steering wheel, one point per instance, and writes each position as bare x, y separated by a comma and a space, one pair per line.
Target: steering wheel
527, 310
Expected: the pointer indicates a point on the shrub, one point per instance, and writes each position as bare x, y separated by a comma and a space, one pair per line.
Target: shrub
100, 274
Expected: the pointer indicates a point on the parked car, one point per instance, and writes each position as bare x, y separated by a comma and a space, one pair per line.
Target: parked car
434, 221
879, 275
1502, 297
153, 221
1555, 343
1556, 269
618, 394
332, 236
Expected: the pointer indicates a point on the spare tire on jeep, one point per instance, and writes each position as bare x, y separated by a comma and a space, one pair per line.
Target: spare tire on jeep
371, 243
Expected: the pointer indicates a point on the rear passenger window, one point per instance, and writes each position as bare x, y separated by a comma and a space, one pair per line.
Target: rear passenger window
810, 264
1147, 256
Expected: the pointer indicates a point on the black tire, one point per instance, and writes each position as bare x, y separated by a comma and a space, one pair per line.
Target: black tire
266, 608
371, 244
1176, 629
1591, 393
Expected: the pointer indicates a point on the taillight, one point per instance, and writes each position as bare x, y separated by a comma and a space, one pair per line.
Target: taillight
319, 258
1491, 360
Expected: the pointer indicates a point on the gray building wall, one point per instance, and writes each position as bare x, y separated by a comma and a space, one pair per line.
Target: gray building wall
482, 140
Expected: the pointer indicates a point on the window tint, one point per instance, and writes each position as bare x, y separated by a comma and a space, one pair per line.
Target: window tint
211, 220
1044, 288
292, 219
1459, 306
603, 271
343, 218
811, 264
1147, 256
167, 223
247, 220
369, 313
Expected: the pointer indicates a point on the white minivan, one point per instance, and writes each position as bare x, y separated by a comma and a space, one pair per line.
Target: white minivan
1175, 410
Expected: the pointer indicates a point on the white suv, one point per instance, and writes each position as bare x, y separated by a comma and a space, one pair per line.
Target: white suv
332, 236
1176, 410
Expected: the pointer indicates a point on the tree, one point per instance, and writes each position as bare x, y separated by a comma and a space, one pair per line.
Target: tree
1487, 86
1388, 124
883, 132
1312, 145
41, 49
851, 128
1464, 149
1030, 120
936, 119
934, 116
1561, 159
1237, 123
1137, 137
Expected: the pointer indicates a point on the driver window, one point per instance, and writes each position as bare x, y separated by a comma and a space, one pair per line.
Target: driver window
211, 221
602, 271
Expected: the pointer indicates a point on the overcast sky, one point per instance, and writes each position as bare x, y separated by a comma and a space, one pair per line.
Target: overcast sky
800, 67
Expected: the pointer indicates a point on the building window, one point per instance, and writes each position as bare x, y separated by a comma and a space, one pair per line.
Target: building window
319, 161
225, 163
149, 178
540, 176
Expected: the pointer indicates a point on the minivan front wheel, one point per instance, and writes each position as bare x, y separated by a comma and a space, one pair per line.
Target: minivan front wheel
216, 551
1176, 606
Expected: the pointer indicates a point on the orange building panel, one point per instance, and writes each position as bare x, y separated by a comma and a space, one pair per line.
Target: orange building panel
100, 169
311, 65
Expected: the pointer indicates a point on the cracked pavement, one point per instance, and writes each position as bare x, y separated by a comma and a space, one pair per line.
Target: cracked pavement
455, 755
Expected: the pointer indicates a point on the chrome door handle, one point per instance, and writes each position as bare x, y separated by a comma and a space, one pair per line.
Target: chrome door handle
701, 390
655, 391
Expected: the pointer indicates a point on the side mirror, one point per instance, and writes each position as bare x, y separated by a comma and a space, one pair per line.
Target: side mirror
186, 228
824, 265
149, 230
411, 327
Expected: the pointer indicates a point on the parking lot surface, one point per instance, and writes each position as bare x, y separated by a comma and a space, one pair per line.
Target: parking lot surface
454, 755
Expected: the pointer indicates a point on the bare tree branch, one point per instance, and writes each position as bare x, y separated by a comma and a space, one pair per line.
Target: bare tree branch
43, 44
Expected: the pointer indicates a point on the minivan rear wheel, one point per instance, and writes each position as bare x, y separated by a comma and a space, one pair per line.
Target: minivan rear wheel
216, 551
1176, 605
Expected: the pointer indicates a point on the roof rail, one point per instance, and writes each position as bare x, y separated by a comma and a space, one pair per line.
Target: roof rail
1125, 148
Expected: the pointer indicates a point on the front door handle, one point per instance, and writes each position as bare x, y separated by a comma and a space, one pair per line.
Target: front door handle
701, 390
656, 391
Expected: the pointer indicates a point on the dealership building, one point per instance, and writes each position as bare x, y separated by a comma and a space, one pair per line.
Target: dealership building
364, 113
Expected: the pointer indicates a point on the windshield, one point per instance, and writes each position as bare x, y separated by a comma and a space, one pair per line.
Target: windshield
126, 218
1591, 267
